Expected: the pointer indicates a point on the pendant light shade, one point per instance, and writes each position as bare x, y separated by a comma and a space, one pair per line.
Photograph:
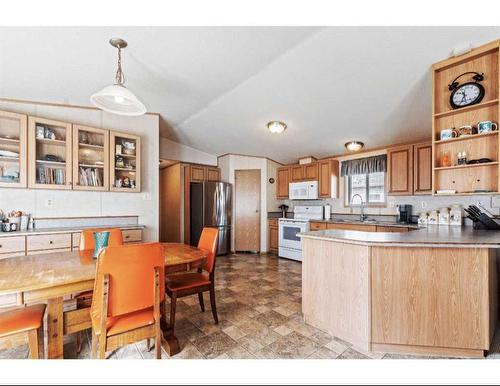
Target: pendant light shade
117, 99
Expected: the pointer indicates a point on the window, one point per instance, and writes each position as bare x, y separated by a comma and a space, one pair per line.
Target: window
371, 187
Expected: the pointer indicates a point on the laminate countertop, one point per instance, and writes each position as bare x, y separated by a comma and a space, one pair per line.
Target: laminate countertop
430, 236
44, 231
368, 222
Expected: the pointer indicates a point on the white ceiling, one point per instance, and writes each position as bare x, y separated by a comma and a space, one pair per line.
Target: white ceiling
216, 88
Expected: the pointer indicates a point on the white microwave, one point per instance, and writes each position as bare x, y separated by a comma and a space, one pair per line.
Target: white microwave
307, 190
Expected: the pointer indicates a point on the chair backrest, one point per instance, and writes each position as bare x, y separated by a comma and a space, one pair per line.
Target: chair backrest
87, 238
131, 278
208, 243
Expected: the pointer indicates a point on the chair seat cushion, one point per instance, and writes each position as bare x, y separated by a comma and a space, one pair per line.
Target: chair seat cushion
21, 320
118, 324
187, 280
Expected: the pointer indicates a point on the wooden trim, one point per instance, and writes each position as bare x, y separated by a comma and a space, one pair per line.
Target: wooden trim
53, 104
248, 155
428, 350
485, 48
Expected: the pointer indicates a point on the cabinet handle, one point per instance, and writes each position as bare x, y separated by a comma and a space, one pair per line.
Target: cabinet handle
51, 242
127, 236
0, 245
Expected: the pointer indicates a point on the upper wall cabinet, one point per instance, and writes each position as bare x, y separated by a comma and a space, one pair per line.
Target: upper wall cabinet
476, 136
400, 170
13, 147
283, 182
90, 158
328, 178
49, 154
422, 168
125, 171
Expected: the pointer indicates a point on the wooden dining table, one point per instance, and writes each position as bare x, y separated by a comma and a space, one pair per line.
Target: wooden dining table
52, 278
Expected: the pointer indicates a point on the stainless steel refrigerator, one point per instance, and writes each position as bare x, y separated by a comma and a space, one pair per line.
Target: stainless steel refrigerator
210, 206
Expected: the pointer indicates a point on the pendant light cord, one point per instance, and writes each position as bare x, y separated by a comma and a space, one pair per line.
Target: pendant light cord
120, 76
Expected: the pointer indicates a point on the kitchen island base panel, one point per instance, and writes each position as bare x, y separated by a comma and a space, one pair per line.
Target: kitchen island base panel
419, 300
428, 350
336, 289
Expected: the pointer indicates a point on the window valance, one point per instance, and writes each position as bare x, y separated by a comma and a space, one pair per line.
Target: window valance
366, 165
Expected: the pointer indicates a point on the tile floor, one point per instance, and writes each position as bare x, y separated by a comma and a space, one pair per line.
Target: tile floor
259, 308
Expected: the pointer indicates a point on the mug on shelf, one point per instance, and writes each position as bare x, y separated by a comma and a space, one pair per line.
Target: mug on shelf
466, 130
448, 133
486, 127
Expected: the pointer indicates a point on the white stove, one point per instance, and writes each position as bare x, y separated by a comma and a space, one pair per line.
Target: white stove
290, 245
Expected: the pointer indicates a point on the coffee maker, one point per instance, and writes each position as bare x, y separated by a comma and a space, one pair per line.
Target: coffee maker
404, 213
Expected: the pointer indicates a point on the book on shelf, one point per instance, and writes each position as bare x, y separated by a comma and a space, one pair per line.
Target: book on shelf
90, 176
50, 176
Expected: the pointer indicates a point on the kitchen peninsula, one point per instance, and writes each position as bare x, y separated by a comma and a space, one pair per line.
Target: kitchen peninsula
429, 291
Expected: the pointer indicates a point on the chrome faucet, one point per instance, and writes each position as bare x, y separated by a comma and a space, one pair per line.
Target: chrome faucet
362, 215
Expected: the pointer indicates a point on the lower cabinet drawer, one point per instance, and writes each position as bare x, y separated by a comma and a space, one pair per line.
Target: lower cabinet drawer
53, 241
132, 235
12, 244
317, 226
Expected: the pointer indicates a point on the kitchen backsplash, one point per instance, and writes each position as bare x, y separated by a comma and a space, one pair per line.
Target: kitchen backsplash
419, 203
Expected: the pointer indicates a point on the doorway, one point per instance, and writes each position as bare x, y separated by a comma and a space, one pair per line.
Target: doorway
247, 211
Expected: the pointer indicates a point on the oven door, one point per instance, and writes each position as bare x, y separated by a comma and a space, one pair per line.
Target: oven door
288, 234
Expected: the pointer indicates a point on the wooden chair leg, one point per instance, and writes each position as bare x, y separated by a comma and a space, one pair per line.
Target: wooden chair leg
102, 346
41, 347
202, 304
148, 344
33, 344
158, 339
173, 305
78, 342
212, 303
94, 345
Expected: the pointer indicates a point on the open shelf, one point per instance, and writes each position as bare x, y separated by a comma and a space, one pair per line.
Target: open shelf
9, 159
56, 142
466, 137
90, 146
125, 169
91, 166
468, 108
54, 163
127, 155
11, 141
495, 163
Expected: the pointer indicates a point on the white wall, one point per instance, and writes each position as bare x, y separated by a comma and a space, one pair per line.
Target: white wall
176, 151
87, 204
272, 172
230, 163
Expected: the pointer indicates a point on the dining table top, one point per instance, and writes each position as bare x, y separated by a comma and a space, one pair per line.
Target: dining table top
35, 272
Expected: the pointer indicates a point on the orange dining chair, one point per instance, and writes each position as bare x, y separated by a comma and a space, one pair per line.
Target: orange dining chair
84, 299
28, 320
186, 284
129, 289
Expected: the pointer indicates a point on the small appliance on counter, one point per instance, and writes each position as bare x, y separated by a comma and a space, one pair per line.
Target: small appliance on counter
327, 212
284, 209
404, 213
481, 220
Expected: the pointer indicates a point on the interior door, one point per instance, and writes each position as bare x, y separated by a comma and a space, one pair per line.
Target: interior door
247, 210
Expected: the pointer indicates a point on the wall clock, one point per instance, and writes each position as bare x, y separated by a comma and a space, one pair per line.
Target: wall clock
466, 94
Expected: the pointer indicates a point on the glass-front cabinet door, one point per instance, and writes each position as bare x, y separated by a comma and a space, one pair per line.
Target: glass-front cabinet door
13, 149
125, 175
90, 158
49, 153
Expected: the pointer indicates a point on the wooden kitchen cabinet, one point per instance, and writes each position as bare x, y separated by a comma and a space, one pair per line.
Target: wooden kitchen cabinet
400, 170
197, 173
273, 232
311, 172
353, 227
297, 173
422, 168
283, 181
317, 226
13, 138
213, 174
125, 159
328, 175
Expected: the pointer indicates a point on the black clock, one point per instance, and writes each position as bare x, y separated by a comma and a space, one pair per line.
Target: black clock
466, 94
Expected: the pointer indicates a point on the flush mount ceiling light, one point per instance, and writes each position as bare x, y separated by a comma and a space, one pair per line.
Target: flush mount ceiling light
276, 127
117, 99
354, 146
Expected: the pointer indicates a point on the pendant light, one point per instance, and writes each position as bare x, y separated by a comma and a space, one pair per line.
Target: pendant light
117, 99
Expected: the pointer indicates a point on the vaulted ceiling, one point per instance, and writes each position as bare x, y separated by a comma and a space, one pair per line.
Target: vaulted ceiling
216, 88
